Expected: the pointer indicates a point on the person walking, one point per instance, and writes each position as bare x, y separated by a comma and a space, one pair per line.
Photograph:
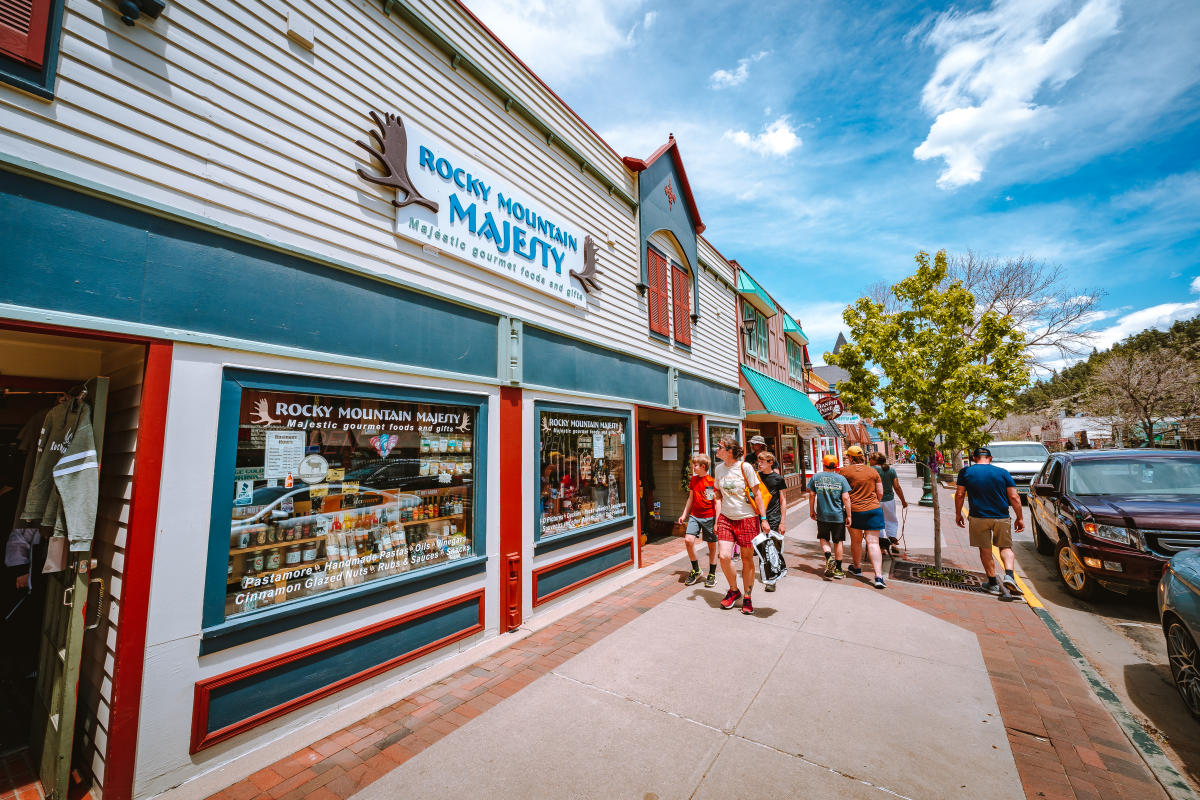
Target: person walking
866, 513
740, 519
992, 492
891, 490
777, 486
699, 513
829, 505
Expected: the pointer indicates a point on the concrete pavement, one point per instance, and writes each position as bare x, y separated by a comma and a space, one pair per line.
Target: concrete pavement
831, 689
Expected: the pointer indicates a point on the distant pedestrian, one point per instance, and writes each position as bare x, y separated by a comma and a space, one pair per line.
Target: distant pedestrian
757, 445
740, 520
829, 505
891, 490
866, 513
992, 492
777, 486
699, 513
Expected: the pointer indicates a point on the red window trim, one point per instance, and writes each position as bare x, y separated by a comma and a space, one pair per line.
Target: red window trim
658, 306
681, 304
26, 44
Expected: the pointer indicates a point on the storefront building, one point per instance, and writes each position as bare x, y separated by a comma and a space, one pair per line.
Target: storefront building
774, 371
381, 320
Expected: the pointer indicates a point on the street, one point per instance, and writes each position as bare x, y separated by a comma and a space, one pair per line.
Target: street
1122, 639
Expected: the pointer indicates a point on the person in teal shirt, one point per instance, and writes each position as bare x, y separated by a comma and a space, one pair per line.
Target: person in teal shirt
829, 505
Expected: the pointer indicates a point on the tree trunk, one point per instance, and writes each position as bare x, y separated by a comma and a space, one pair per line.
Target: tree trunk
937, 520
1148, 427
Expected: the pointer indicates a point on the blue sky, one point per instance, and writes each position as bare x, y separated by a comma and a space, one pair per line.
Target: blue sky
828, 141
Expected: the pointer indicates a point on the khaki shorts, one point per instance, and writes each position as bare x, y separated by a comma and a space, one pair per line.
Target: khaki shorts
987, 532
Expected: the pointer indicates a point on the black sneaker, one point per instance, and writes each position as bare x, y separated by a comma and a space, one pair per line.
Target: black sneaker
879, 584
710, 581
770, 587
992, 588
830, 565
853, 570
692, 577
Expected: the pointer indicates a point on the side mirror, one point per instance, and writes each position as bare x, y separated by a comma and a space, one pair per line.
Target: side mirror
1044, 489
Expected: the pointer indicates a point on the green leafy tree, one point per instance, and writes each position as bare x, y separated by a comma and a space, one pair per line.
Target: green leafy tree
942, 369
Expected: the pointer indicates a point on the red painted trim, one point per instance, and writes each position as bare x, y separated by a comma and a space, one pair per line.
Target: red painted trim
130, 656
640, 165
703, 436
512, 504
62, 330
201, 738
637, 483
537, 573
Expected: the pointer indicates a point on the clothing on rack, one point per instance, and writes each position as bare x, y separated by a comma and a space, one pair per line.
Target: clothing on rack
65, 488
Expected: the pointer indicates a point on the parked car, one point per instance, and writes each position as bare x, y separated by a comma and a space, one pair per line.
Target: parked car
1023, 460
1179, 610
1114, 517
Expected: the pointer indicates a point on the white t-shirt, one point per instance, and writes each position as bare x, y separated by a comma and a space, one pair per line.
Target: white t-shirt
732, 483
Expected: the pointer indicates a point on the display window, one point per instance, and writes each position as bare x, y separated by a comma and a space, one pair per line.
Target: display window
787, 455
716, 430
325, 491
583, 474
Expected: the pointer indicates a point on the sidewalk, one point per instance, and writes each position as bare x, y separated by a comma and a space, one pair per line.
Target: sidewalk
831, 689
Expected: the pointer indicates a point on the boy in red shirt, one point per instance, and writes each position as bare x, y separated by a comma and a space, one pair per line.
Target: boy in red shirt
703, 507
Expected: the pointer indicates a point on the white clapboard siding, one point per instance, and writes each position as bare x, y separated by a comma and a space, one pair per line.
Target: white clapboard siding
210, 110
124, 368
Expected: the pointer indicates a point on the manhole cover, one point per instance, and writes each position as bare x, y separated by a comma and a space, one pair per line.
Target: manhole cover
961, 579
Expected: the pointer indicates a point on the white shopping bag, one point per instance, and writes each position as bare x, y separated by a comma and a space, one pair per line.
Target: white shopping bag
769, 549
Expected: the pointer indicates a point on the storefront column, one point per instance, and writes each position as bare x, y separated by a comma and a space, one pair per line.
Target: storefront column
512, 501
637, 484
135, 591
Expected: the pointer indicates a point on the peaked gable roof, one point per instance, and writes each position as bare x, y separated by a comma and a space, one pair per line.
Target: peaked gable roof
672, 147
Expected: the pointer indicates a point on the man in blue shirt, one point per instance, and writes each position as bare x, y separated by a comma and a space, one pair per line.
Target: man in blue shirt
991, 491
829, 505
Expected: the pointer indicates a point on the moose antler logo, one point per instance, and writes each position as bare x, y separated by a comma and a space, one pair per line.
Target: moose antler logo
588, 276
391, 149
261, 415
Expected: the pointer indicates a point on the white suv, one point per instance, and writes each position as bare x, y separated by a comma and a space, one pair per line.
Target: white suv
1023, 460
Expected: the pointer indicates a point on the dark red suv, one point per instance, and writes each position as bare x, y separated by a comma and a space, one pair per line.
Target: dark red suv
1112, 518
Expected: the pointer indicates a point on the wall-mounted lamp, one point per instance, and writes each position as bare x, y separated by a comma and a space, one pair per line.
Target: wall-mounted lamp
131, 10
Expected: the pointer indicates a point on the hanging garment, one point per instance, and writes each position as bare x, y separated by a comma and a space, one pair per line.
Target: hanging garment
65, 488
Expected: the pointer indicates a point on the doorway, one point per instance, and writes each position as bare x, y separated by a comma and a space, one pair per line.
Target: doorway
665, 445
51, 669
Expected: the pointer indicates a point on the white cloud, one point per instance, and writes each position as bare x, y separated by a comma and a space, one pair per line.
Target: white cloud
1195, 287
649, 19
725, 79
1159, 317
993, 66
560, 41
777, 139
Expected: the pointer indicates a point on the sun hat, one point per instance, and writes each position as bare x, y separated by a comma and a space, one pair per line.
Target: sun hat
757, 440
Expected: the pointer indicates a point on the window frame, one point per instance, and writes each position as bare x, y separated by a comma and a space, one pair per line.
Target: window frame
37, 80
542, 544
218, 632
661, 287
762, 334
795, 360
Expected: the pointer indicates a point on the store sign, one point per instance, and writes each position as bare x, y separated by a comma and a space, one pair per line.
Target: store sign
450, 201
829, 408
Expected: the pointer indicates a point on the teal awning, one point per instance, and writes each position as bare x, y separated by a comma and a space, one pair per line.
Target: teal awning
876, 434
792, 328
781, 400
754, 294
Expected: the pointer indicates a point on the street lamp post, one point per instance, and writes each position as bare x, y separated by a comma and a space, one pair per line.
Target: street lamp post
926, 486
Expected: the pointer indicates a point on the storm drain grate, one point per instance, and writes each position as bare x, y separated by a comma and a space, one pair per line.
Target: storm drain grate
960, 579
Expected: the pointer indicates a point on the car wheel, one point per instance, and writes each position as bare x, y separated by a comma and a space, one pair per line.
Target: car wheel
1185, 665
1073, 575
1044, 544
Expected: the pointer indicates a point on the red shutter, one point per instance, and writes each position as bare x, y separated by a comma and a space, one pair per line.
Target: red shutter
23, 26
681, 292
656, 294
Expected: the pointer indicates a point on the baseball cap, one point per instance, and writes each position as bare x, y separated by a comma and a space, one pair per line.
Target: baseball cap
854, 450
829, 460
757, 440
981, 452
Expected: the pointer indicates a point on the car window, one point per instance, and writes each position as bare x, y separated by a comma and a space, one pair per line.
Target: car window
1136, 476
1032, 452
1055, 476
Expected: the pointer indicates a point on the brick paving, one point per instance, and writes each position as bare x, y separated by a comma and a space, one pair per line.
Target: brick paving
1064, 742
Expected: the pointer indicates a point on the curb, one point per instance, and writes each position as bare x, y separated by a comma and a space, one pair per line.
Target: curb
1175, 785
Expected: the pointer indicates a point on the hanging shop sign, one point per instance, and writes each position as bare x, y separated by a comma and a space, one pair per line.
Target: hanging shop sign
450, 201
829, 408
